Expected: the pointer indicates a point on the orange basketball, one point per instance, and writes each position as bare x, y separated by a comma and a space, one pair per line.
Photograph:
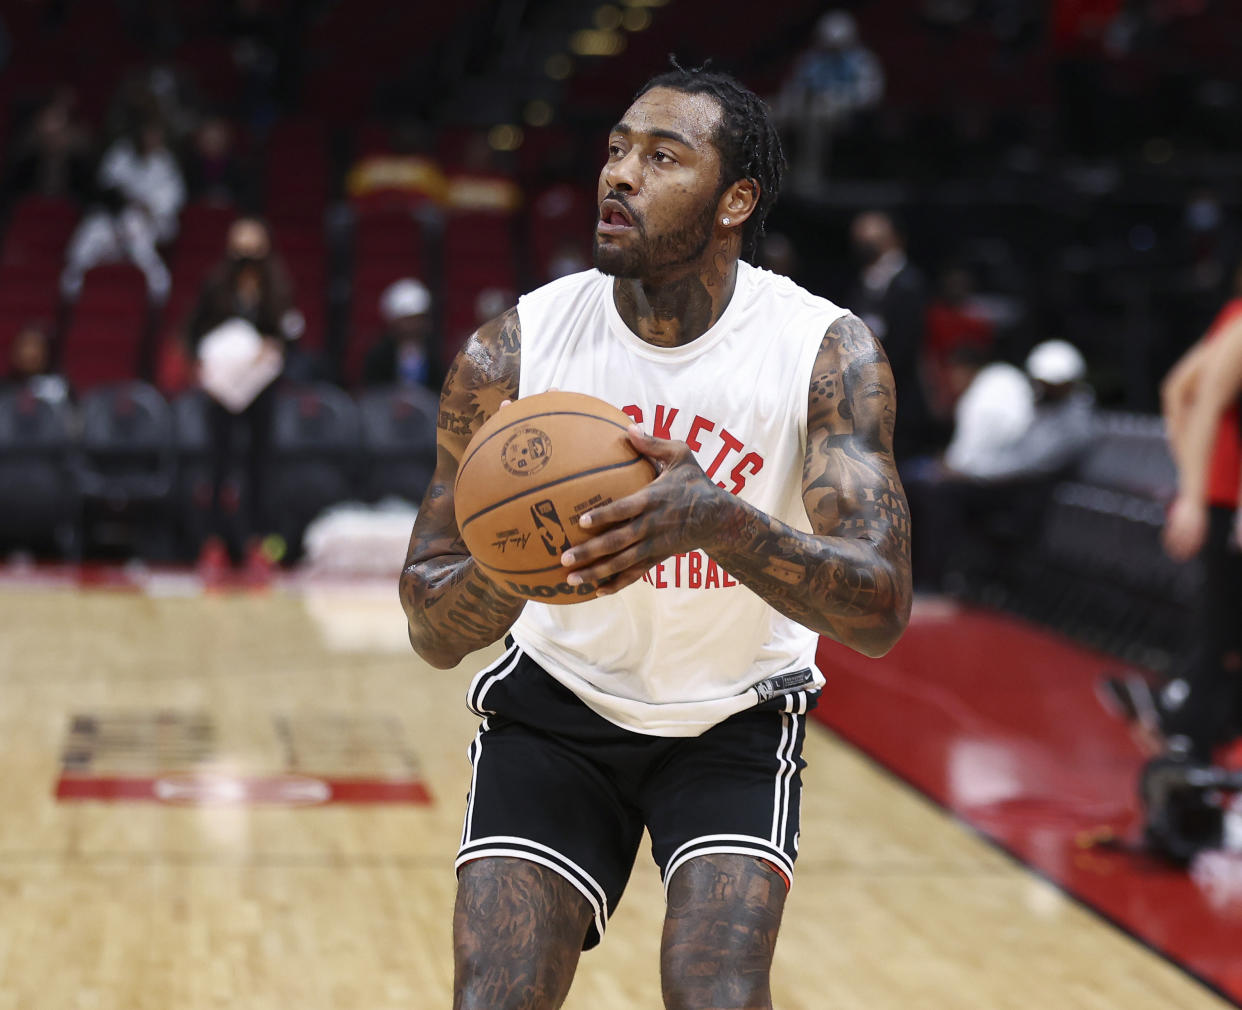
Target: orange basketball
527, 477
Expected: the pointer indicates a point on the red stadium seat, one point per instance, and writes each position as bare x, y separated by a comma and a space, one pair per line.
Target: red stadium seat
104, 340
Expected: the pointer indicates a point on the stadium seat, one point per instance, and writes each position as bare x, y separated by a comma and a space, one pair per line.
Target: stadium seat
31, 258
193, 489
316, 451
105, 338
126, 468
303, 247
38, 494
480, 251
399, 440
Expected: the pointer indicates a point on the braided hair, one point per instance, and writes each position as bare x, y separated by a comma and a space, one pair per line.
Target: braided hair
749, 145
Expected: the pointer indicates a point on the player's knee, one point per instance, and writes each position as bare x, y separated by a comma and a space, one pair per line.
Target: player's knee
724, 913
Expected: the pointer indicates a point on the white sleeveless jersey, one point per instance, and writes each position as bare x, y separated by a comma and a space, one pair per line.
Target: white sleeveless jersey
688, 646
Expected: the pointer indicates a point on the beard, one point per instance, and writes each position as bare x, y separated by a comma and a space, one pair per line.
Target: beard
644, 256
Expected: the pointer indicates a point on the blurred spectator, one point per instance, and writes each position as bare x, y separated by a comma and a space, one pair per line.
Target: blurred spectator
1015, 433
30, 362
160, 91
254, 32
1063, 425
249, 285
214, 172
890, 297
400, 355
140, 193
250, 282
1015, 426
995, 408
52, 157
828, 86
1196, 714
954, 321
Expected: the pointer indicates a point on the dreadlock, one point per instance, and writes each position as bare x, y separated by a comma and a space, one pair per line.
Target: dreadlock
750, 147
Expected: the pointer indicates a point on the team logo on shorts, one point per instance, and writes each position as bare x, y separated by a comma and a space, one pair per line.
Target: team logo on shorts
526, 451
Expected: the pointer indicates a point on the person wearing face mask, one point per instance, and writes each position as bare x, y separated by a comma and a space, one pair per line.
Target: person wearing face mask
890, 296
239, 333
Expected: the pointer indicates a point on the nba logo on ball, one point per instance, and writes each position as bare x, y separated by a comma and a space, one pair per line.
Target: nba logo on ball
529, 474
526, 451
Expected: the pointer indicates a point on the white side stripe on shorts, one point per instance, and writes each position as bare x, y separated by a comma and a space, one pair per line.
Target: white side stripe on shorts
475, 749
741, 844
796, 702
788, 767
488, 676
524, 848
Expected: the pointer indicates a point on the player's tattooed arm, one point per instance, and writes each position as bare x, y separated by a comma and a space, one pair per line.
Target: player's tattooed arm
850, 578
451, 608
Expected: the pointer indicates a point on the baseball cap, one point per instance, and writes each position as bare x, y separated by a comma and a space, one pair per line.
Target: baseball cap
1056, 362
406, 297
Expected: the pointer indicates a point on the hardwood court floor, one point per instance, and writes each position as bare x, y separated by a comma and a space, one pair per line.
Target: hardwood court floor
150, 906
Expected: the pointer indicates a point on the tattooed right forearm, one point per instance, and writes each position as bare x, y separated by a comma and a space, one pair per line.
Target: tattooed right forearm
451, 607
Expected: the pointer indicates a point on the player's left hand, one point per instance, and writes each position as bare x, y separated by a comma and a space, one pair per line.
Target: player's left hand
671, 515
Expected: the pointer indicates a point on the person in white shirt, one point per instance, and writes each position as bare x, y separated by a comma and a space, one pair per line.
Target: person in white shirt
1015, 430
1014, 424
140, 193
989, 418
671, 698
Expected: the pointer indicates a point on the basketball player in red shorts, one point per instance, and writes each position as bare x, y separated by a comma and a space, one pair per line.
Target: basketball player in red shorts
674, 700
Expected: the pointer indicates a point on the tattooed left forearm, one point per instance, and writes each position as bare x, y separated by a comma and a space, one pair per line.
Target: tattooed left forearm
842, 587
850, 579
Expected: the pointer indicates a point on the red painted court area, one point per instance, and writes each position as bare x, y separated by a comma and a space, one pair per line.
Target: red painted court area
998, 722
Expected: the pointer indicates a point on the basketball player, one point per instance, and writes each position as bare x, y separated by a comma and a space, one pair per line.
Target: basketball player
675, 699
1196, 714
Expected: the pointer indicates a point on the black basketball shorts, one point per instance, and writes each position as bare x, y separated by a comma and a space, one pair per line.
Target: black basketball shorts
557, 784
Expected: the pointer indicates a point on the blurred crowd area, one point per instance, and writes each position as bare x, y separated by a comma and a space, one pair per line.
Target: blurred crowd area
1062, 167
1042, 170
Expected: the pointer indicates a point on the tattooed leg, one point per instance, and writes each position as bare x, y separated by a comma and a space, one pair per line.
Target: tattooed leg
724, 911
517, 935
